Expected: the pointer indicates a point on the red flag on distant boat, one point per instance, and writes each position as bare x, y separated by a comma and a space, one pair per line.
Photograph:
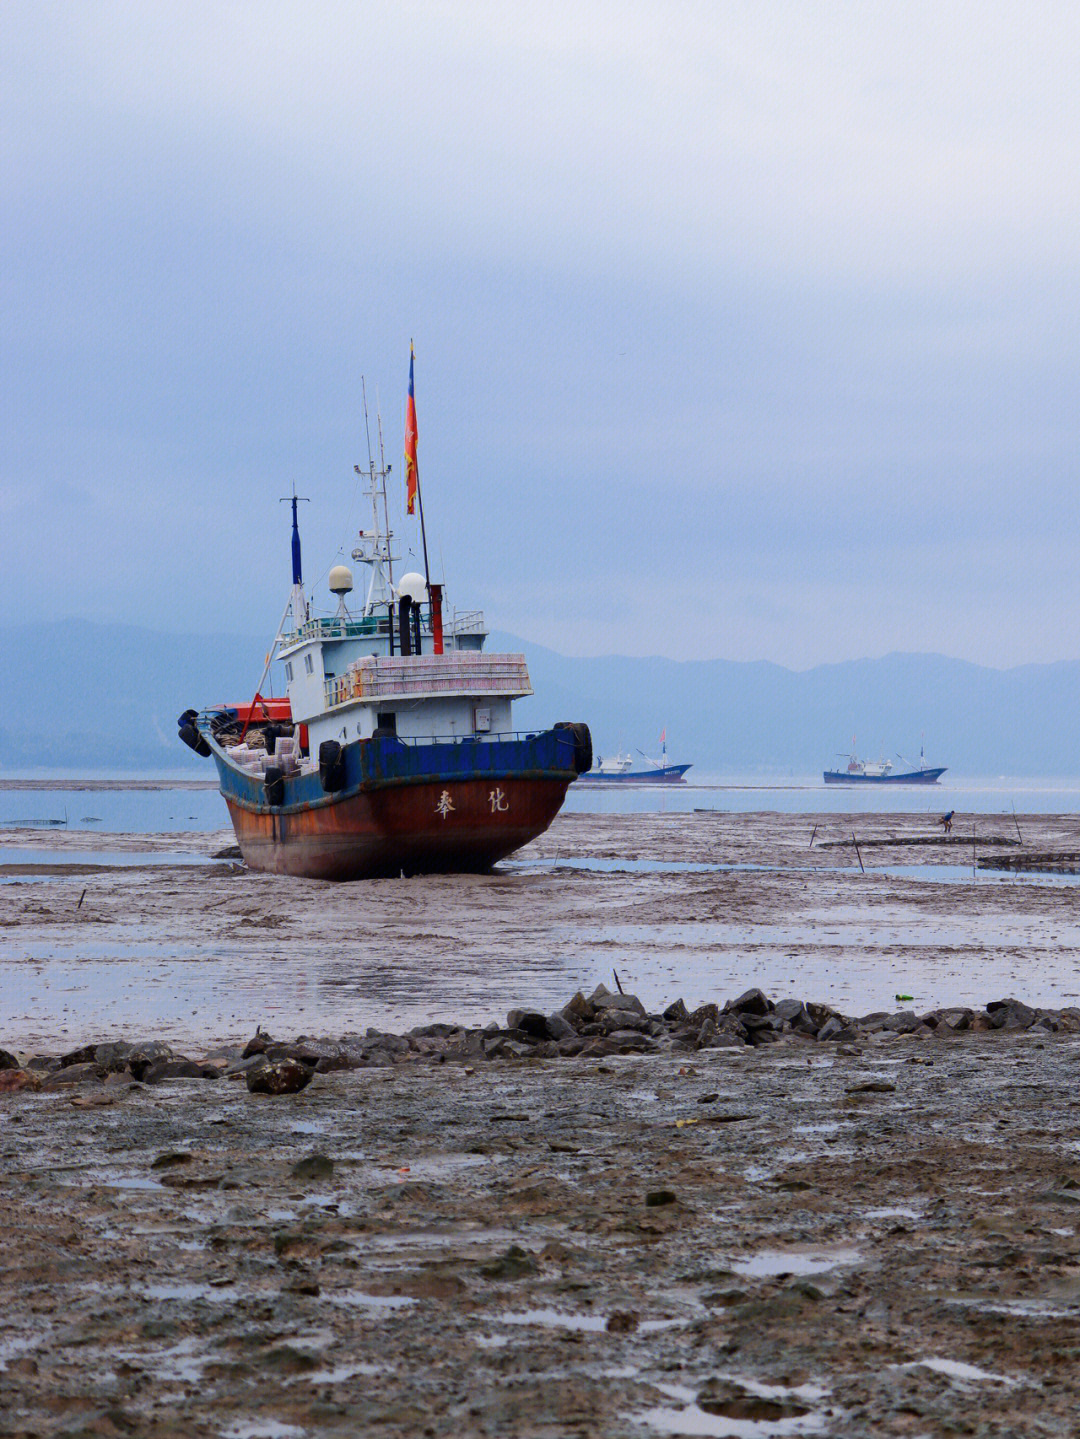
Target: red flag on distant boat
663, 735
411, 474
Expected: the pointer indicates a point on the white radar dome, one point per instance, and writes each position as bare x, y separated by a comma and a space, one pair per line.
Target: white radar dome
340, 580
414, 586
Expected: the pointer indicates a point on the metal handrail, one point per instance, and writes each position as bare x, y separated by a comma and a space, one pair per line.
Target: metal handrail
482, 738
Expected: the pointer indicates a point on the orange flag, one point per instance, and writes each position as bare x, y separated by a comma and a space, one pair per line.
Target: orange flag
411, 473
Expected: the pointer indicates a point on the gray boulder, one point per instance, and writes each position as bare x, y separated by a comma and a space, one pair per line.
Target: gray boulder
607, 1002
905, 1021
1010, 1014
753, 1001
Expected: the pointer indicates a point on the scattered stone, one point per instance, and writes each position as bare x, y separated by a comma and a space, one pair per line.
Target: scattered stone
515, 1263
84, 1072
258, 1044
729, 1400
85, 1055
314, 1166
752, 1002
656, 1198
1010, 1014
172, 1158
154, 1073
283, 1076
630, 1002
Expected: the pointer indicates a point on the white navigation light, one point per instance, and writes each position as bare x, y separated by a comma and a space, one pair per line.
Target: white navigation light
413, 586
340, 580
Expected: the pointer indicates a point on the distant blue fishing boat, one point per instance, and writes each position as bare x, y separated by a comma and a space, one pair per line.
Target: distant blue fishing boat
860, 771
619, 769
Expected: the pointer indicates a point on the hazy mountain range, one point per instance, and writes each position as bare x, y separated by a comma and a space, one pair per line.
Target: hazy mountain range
79, 694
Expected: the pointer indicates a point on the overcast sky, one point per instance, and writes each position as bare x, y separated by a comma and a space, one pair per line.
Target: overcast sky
742, 330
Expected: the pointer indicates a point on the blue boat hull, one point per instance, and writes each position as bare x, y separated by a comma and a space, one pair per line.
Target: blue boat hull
919, 776
412, 808
668, 774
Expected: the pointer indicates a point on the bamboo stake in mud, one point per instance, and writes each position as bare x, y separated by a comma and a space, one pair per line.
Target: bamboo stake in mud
811, 844
855, 842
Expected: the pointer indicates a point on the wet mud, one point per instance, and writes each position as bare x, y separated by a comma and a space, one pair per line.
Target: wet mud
877, 1240
703, 906
855, 1239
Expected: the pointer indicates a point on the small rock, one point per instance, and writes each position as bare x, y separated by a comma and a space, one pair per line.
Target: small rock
622, 1321
13, 1080
82, 1073
560, 1028
835, 1028
85, 1055
620, 1001
753, 1001
284, 1076
257, 1044
175, 1069
656, 1198
578, 1010
905, 1022
314, 1166
1010, 1014
516, 1263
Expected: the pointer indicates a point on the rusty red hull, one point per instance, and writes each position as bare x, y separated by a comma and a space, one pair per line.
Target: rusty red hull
438, 827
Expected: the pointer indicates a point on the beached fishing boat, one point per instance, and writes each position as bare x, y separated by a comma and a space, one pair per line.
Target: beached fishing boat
880, 771
393, 750
619, 769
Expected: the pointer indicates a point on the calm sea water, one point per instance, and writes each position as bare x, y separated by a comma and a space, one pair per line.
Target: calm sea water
172, 808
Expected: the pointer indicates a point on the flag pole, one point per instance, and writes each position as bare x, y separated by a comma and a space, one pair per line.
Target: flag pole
416, 475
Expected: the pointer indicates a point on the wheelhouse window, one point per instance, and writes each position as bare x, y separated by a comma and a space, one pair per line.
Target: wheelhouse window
309, 664
387, 720
288, 672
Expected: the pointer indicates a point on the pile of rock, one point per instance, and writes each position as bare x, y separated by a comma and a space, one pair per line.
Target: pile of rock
603, 1024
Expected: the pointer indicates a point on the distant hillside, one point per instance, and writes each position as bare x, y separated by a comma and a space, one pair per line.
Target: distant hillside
78, 694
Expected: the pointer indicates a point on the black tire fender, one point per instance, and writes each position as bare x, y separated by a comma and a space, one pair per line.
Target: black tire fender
274, 780
583, 755
331, 766
194, 740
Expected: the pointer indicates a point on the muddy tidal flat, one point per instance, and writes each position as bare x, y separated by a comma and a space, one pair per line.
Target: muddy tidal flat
864, 1229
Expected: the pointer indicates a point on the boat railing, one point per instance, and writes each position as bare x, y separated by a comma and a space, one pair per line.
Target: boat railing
334, 629
381, 677
499, 737
467, 622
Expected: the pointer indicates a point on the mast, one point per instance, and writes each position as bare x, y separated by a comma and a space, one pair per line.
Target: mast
297, 603
375, 548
